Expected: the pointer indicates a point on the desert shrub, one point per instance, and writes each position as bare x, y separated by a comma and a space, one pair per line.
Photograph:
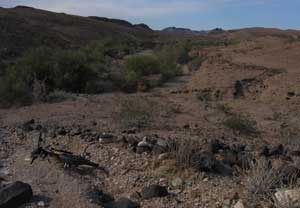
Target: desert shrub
136, 68
42, 70
182, 50
241, 124
183, 150
72, 71
136, 112
261, 181
168, 63
14, 90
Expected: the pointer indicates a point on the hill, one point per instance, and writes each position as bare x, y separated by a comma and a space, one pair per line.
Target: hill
184, 31
25, 27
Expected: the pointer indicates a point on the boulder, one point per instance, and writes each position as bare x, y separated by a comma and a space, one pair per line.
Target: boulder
14, 195
154, 191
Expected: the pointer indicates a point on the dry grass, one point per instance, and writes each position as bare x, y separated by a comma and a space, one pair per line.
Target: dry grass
183, 151
136, 112
261, 182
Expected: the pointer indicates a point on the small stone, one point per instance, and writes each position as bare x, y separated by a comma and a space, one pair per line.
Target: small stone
205, 180
41, 204
163, 156
122, 203
239, 204
227, 202
154, 191
177, 182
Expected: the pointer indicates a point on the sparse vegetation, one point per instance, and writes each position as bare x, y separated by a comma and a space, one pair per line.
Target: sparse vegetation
183, 150
241, 124
261, 182
136, 112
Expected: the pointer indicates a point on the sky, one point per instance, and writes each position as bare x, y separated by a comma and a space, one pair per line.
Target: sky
194, 14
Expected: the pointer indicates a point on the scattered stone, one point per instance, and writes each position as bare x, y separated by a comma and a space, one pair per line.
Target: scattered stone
41, 204
154, 191
129, 131
122, 203
99, 197
176, 182
28, 126
205, 161
227, 202
144, 146
61, 131
15, 195
288, 198
275, 151
163, 156
239, 204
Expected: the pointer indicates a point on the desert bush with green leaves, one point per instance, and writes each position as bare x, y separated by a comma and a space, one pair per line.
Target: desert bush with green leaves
241, 124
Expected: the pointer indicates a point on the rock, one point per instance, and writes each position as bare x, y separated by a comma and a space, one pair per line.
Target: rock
106, 138
99, 197
163, 156
28, 126
145, 143
61, 131
75, 131
205, 161
239, 204
15, 195
275, 151
176, 182
154, 191
144, 146
288, 198
122, 203
216, 145
141, 150
157, 149
129, 131
41, 204
227, 202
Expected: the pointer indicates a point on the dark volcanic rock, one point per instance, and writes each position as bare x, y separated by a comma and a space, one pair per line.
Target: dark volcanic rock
15, 195
154, 191
122, 203
205, 161
28, 126
99, 197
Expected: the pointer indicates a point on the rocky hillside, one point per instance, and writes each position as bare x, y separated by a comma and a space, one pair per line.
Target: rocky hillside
25, 27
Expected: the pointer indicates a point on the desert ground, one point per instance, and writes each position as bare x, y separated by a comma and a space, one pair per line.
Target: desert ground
191, 109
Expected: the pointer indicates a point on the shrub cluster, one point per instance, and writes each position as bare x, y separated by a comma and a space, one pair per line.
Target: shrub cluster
41, 71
